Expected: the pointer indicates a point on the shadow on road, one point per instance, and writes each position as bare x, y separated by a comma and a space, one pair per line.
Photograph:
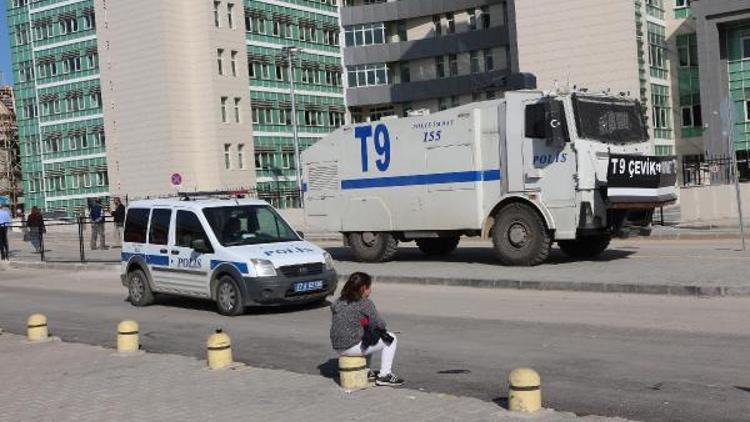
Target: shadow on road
330, 369
476, 255
501, 401
745, 389
210, 306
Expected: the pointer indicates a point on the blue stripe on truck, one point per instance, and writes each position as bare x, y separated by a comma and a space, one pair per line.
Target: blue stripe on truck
423, 179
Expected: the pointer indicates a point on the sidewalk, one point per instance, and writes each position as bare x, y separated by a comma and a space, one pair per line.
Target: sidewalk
59, 381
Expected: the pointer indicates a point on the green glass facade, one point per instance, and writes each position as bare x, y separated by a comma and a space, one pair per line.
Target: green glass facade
738, 61
58, 98
688, 77
312, 26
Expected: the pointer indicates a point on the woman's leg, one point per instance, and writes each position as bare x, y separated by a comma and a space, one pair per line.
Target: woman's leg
386, 357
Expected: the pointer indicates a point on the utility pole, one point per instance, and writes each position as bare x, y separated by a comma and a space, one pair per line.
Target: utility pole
288, 52
728, 119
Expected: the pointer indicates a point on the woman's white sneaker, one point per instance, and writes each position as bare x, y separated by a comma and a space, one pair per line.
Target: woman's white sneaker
389, 380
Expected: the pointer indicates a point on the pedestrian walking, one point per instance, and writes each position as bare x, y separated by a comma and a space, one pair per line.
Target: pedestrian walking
96, 215
35, 223
358, 330
119, 216
5, 222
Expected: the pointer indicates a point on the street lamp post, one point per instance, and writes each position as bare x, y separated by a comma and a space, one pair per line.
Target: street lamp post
289, 53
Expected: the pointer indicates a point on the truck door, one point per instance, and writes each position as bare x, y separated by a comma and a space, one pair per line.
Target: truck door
549, 166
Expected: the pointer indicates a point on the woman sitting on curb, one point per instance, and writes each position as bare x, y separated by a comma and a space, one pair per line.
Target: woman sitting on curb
357, 330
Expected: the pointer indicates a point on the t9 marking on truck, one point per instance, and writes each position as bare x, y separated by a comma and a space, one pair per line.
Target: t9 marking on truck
575, 169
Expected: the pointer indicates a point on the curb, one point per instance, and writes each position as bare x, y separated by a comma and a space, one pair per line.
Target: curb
569, 286
566, 286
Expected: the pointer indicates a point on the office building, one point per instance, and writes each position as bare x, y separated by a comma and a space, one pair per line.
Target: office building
10, 164
115, 97
410, 55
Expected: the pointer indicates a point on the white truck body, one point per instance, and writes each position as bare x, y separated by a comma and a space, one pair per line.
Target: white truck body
449, 173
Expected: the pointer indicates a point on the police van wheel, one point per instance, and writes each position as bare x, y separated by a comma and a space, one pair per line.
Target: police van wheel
585, 247
373, 247
438, 246
520, 236
229, 297
139, 291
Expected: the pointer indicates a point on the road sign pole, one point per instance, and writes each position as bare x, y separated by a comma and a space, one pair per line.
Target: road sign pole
728, 118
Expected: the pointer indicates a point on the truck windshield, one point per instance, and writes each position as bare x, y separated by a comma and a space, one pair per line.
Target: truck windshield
248, 225
609, 120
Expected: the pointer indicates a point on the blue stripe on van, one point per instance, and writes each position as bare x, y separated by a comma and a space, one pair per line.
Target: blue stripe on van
162, 260
241, 266
423, 179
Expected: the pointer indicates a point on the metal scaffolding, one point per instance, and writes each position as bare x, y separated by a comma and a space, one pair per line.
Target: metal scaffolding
10, 157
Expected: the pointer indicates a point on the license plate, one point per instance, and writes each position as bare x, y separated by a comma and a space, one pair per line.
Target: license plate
308, 286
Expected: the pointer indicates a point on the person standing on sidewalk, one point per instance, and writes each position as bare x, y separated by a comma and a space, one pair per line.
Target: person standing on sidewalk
96, 215
5, 222
358, 330
35, 223
119, 216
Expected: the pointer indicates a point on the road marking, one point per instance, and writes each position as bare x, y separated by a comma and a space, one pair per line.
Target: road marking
692, 257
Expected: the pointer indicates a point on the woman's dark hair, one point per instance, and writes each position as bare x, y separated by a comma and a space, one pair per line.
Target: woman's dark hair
352, 290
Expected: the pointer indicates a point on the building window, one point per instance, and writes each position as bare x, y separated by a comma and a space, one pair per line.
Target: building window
691, 116
234, 63
474, 61
402, 32
224, 109
220, 60
442, 104
453, 65
440, 66
227, 156
472, 19
217, 21
264, 160
681, 4
287, 160
237, 109
451, 20
240, 156
491, 94
484, 17
230, 15
405, 72
368, 75
747, 111
89, 22
687, 50
92, 60
489, 60
746, 48
455, 101
437, 25
68, 25
370, 34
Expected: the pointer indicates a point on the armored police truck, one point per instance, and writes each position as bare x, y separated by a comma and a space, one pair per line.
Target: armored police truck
526, 171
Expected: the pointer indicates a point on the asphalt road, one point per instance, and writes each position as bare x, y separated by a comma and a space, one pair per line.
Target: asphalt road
652, 358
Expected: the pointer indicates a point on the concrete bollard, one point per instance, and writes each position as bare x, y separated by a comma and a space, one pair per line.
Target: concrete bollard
219, 347
525, 393
353, 372
36, 328
127, 337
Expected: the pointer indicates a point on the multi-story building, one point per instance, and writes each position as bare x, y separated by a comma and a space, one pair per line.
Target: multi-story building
58, 102
410, 55
312, 28
170, 84
10, 165
619, 46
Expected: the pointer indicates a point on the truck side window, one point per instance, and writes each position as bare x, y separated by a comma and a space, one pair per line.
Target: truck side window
188, 229
535, 121
159, 230
136, 223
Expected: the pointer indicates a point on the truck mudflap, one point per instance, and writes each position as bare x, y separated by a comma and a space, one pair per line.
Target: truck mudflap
641, 181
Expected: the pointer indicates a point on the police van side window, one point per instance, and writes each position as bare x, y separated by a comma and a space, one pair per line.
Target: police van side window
158, 233
136, 223
535, 121
188, 229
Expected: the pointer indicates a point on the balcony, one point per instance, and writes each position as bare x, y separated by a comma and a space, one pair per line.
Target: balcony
405, 9
429, 47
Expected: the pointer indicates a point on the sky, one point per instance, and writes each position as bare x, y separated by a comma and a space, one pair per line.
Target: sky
5, 65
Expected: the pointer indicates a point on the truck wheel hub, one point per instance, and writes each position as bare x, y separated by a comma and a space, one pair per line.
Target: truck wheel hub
369, 238
518, 235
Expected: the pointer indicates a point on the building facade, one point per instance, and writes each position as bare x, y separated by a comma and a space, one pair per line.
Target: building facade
10, 164
113, 102
410, 55
312, 28
620, 46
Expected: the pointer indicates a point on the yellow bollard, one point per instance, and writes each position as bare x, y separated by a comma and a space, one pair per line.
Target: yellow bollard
127, 337
219, 348
353, 372
36, 327
525, 393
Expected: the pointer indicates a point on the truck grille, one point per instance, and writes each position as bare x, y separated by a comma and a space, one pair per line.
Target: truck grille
302, 269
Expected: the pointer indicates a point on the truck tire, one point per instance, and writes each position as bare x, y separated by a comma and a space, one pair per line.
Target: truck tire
438, 246
229, 297
139, 291
373, 247
584, 247
520, 236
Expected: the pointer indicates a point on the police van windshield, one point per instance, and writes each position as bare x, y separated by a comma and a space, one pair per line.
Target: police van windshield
248, 225
609, 120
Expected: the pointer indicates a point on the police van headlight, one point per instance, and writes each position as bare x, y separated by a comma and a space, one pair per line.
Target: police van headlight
263, 268
329, 261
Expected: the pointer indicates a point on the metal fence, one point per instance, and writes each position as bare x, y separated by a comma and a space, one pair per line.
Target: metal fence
715, 170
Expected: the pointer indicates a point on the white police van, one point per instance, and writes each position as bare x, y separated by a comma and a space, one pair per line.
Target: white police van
236, 252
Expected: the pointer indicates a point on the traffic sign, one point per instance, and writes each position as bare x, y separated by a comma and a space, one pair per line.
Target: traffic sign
176, 180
